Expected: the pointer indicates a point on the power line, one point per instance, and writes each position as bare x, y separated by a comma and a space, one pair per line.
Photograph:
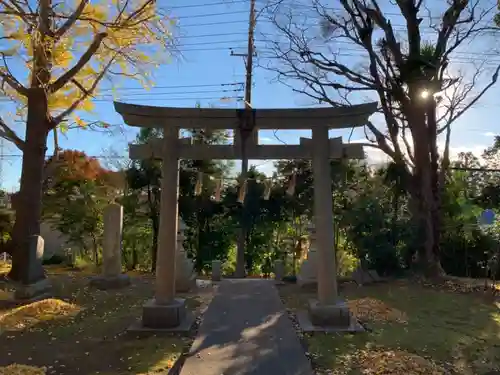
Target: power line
174, 93
207, 4
359, 51
212, 42
455, 60
177, 86
153, 98
211, 14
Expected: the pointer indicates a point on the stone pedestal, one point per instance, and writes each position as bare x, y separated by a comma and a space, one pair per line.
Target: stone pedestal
166, 318
216, 270
159, 316
33, 283
112, 276
279, 271
308, 273
328, 318
33, 292
336, 315
185, 277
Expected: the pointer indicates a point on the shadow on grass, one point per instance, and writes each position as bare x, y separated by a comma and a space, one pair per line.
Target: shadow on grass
92, 339
460, 332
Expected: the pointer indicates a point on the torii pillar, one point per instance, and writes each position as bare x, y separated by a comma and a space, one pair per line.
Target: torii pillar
328, 312
165, 311
323, 217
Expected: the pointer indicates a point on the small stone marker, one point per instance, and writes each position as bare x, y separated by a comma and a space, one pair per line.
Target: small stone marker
216, 270
362, 276
112, 276
70, 257
34, 285
185, 278
279, 271
308, 273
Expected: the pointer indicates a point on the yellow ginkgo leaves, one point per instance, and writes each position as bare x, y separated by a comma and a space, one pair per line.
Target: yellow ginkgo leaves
16, 369
370, 309
114, 40
27, 316
97, 12
379, 362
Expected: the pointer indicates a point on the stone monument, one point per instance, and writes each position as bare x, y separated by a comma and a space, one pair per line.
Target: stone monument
279, 271
308, 273
33, 284
112, 276
185, 277
362, 276
216, 270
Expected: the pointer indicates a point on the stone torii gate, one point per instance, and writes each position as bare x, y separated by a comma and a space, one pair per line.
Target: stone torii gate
166, 311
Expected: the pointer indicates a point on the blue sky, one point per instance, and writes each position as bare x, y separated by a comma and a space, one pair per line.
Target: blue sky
207, 71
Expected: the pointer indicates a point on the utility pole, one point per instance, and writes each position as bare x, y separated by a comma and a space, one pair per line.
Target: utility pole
246, 131
2, 145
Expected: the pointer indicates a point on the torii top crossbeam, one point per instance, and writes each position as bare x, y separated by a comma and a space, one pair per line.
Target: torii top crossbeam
223, 118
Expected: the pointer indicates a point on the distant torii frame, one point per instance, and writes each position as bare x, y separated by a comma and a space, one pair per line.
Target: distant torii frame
165, 311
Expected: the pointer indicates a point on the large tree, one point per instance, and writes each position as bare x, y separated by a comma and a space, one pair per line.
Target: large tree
356, 52
53, 56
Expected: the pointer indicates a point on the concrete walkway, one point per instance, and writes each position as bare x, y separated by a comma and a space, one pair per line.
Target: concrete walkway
246, 331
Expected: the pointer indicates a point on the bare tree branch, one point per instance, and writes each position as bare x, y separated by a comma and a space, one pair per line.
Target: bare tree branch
71, 20
84, 59
7, 76
8, 134
397, 72
85, 94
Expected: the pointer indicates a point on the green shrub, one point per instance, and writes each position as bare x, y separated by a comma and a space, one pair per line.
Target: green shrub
54, 259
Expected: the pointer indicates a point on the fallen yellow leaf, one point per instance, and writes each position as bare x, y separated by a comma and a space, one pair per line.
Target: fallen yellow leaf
16, 369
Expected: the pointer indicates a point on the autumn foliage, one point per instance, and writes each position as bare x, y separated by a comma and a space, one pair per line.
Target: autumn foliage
66, 49
74, 165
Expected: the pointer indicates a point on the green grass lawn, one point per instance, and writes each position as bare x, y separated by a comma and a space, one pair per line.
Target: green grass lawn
81, 330
416, 330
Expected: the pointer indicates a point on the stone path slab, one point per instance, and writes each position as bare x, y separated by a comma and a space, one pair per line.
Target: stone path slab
246, 331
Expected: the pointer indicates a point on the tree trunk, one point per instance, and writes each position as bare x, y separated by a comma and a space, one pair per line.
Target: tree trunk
135, 256
199, 249
437, 185
28, 202
96, 251
424, 199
